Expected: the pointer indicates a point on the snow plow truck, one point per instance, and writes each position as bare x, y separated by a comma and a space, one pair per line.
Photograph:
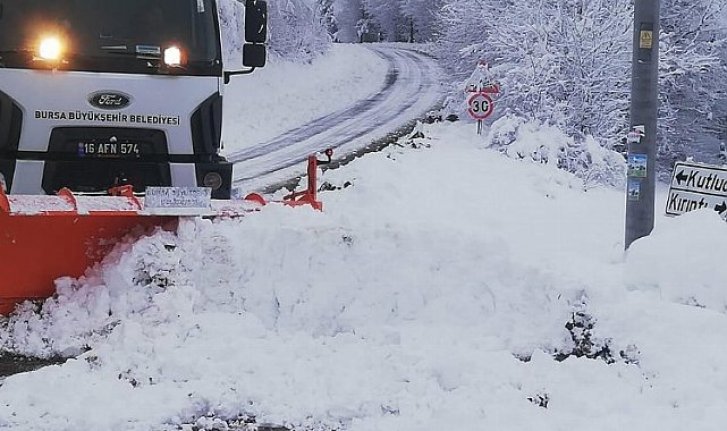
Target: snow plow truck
110, 122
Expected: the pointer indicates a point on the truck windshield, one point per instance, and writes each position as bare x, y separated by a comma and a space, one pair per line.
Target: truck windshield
124, 36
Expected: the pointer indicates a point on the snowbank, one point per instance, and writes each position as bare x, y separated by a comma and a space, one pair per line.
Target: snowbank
522, 138
435, 292
694, 246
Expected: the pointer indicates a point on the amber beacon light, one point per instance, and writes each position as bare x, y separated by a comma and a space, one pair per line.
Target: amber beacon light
50, 48
173, 56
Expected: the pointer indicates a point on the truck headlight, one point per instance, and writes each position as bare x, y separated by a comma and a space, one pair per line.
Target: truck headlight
50, 49
173, 56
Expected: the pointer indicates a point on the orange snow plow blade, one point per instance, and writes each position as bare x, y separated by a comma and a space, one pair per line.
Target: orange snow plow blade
43, 238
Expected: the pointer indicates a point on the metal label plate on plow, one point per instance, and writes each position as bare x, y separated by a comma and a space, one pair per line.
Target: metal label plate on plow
178, 200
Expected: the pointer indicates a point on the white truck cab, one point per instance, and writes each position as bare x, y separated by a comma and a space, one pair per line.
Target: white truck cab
99, 93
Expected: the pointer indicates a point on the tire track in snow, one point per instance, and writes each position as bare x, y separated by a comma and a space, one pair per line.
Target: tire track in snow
316, 126
411, 88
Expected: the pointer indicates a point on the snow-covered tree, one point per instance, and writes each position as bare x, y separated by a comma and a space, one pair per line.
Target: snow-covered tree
465, 26
386, 14
560, 61
420, 17
348, 14
693, 78
568, 62
296, 29
328, 17
396, 21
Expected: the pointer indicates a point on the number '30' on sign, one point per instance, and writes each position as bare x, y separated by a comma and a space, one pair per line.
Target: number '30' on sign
480, 105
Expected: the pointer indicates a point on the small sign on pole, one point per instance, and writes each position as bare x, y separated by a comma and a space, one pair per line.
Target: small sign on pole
480, 106
482, 91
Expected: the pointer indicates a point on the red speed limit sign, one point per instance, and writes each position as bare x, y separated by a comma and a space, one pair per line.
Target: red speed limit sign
480, 105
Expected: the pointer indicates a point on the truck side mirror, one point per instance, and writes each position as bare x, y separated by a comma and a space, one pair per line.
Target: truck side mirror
253, 55
256, 21
256, 33
254, 52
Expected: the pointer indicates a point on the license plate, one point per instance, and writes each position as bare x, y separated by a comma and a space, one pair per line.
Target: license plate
108, 149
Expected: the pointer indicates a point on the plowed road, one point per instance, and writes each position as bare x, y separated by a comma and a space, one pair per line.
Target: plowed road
410, 90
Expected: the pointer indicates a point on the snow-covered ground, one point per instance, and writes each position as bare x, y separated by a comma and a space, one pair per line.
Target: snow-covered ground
434, 292
284, 95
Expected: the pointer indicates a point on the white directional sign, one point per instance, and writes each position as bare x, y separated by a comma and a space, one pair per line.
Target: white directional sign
696, 186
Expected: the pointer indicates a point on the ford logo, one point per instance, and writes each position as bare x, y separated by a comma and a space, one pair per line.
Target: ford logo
109, 100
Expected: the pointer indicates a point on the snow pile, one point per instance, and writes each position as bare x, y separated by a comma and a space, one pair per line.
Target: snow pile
445, 286
521, 138
693, 245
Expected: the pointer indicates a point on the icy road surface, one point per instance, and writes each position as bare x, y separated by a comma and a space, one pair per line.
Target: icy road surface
410, 89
